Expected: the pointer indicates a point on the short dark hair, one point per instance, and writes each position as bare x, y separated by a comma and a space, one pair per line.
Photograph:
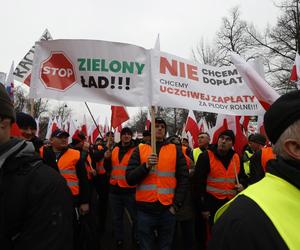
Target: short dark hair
2, 117
185, 139
204, 133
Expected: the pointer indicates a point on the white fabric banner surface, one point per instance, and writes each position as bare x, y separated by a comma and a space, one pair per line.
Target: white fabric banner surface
94, 71
180, 83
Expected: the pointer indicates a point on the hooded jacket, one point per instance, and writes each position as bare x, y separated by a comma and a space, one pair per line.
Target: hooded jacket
35, 202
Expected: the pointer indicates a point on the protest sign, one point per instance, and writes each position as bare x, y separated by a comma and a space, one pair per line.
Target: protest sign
180, 83
127, 75
94, 71
2, 78
22, 72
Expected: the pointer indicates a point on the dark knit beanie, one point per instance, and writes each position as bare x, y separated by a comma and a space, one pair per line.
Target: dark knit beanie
146, 133
160, 120
25, 120
6, 106
109, 133
258, 138
126, 130
282, 113
229, 133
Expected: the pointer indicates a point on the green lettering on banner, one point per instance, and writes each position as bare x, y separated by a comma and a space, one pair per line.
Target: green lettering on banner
96, 64
81, 64
139, 67
103, 68
115, 66
88, 65
128, 67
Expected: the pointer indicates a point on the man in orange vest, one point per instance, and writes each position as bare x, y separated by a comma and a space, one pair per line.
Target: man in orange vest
101, 180
162, 183
258, 163
121, 194
218, 176
266, 214
71, 166
79, 143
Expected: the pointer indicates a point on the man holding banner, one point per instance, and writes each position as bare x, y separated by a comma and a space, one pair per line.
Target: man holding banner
266, 214
162, 182
217, 175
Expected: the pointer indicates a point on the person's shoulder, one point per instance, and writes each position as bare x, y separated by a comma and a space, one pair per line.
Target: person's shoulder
243, 213
46, 182
44, 174
244, 225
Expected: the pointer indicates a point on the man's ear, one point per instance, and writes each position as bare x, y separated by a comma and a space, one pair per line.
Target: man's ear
292, 148
4, 123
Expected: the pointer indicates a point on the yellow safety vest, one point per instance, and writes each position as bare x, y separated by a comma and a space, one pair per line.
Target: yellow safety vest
247, 163
280, 201
196, 153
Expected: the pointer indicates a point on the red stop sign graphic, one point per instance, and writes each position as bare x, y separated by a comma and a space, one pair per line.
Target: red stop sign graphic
57, 72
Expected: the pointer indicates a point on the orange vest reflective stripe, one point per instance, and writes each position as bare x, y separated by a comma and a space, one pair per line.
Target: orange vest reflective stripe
100, 164
188, 160
161, 182
266, 155
221, 181
66, 165
119, 168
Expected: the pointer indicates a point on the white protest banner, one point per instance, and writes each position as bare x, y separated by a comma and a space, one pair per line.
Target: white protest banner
180, 83
2, 78
22, 72
94, 71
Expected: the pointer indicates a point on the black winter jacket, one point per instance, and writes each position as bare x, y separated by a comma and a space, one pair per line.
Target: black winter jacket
49, 158
35, 202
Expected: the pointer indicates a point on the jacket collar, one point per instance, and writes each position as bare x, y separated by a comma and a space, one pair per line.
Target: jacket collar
286, 169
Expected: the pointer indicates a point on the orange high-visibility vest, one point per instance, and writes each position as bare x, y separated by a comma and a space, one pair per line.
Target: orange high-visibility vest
100, 164
188, 160
221, 181
66, 165
119, 168
266, 155
161, 182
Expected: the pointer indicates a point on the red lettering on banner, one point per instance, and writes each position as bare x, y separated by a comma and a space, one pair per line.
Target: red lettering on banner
173, 68
192, 72
165, 65
182, 69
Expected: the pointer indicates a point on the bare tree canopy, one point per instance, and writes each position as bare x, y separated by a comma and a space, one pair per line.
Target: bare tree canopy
277, 45
23, 103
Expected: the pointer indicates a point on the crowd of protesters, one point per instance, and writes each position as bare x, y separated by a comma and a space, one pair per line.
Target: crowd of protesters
58, 195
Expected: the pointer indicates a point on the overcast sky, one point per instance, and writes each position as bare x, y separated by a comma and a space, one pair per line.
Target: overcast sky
181, 25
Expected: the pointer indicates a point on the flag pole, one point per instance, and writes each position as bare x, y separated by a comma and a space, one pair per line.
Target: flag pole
153, 134
32, 107
93, 119
236, 174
